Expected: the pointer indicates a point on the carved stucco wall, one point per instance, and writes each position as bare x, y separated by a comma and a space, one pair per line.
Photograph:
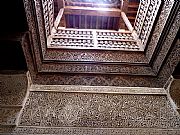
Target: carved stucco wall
152, 69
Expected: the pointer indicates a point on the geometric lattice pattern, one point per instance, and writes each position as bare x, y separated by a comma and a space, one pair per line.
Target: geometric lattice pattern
146, 15
93, 39
48, 13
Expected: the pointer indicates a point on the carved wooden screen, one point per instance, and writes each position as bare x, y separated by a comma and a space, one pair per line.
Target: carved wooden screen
145, 18
93, 39
143, 6
48, 13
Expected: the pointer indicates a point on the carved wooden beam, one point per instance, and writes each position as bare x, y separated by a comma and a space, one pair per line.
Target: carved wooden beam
77, 10
90, 4
58, 18
127, 22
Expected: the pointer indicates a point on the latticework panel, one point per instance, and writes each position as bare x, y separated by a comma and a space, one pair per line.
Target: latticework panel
74, 34
143, 7
149, 20
72, 43
146, 15
48, 13
92, 39
51, 13
110, 44
114, 35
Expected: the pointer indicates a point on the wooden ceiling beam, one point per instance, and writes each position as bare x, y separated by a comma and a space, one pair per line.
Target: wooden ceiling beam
78, 10
58, 18
90, 4
127, 22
